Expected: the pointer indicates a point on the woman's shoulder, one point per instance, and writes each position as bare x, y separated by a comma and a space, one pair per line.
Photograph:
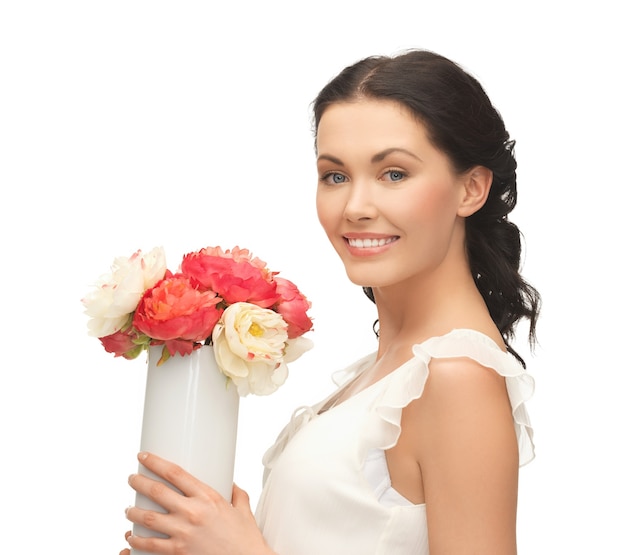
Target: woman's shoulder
466, 368
470, 375
462, 344
459, 386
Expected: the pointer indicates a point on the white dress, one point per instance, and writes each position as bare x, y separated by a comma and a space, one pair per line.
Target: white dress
327, 489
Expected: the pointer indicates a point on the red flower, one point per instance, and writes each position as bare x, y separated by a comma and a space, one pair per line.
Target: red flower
293, 306
127, 344
175, 309
234, 275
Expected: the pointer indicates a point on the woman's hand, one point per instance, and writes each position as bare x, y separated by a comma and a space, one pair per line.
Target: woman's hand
198, 521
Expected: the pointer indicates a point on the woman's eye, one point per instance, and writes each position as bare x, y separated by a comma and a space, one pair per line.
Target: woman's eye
394, 175
334, 178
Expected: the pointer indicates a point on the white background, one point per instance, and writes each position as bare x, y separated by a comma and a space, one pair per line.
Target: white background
131, 124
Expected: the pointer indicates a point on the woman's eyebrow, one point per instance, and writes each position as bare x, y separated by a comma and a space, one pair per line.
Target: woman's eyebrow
330, 159
379, 157
384, 153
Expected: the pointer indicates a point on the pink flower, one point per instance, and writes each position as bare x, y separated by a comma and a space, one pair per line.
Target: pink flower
234, 275
174, 309
127, 344
293, 306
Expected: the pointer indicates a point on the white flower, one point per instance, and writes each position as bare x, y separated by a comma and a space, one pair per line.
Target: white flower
153, 267
249, 344
117, 295
296, 347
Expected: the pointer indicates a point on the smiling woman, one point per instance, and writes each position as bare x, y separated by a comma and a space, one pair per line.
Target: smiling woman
388, 199
418, 449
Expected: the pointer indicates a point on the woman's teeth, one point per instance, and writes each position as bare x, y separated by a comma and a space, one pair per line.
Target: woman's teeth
369, 243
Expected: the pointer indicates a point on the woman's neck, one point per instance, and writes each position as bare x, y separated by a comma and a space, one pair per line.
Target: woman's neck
432, 305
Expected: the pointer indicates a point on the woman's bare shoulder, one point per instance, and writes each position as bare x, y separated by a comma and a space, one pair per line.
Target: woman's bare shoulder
465, 444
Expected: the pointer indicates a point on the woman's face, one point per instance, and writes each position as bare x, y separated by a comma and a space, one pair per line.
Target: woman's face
386, 197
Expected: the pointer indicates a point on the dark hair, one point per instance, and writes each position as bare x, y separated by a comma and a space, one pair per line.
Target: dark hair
463, 124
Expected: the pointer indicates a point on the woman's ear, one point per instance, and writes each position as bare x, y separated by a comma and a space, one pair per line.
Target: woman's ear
477, 184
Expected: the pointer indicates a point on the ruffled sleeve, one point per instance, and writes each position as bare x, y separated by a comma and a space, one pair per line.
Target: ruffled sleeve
407, 384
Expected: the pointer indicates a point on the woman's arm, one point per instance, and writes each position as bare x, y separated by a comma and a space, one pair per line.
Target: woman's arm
199, 522
466, 447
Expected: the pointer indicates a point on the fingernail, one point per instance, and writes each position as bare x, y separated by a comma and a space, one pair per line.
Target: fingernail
130, 477
142, 456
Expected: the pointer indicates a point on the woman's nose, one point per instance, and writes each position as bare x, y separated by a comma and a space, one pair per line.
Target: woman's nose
360, 203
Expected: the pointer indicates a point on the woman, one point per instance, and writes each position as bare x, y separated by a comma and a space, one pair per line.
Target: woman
418, 450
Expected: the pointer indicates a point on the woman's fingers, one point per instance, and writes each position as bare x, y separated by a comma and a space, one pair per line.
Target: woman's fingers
172, 473
151, 520
126, 551
151, 545
241, 500
162, 494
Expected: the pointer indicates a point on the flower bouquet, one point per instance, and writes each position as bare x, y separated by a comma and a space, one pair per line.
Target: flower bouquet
223, 319
228, 299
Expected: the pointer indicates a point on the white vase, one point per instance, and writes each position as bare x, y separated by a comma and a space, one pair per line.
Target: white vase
190, 418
